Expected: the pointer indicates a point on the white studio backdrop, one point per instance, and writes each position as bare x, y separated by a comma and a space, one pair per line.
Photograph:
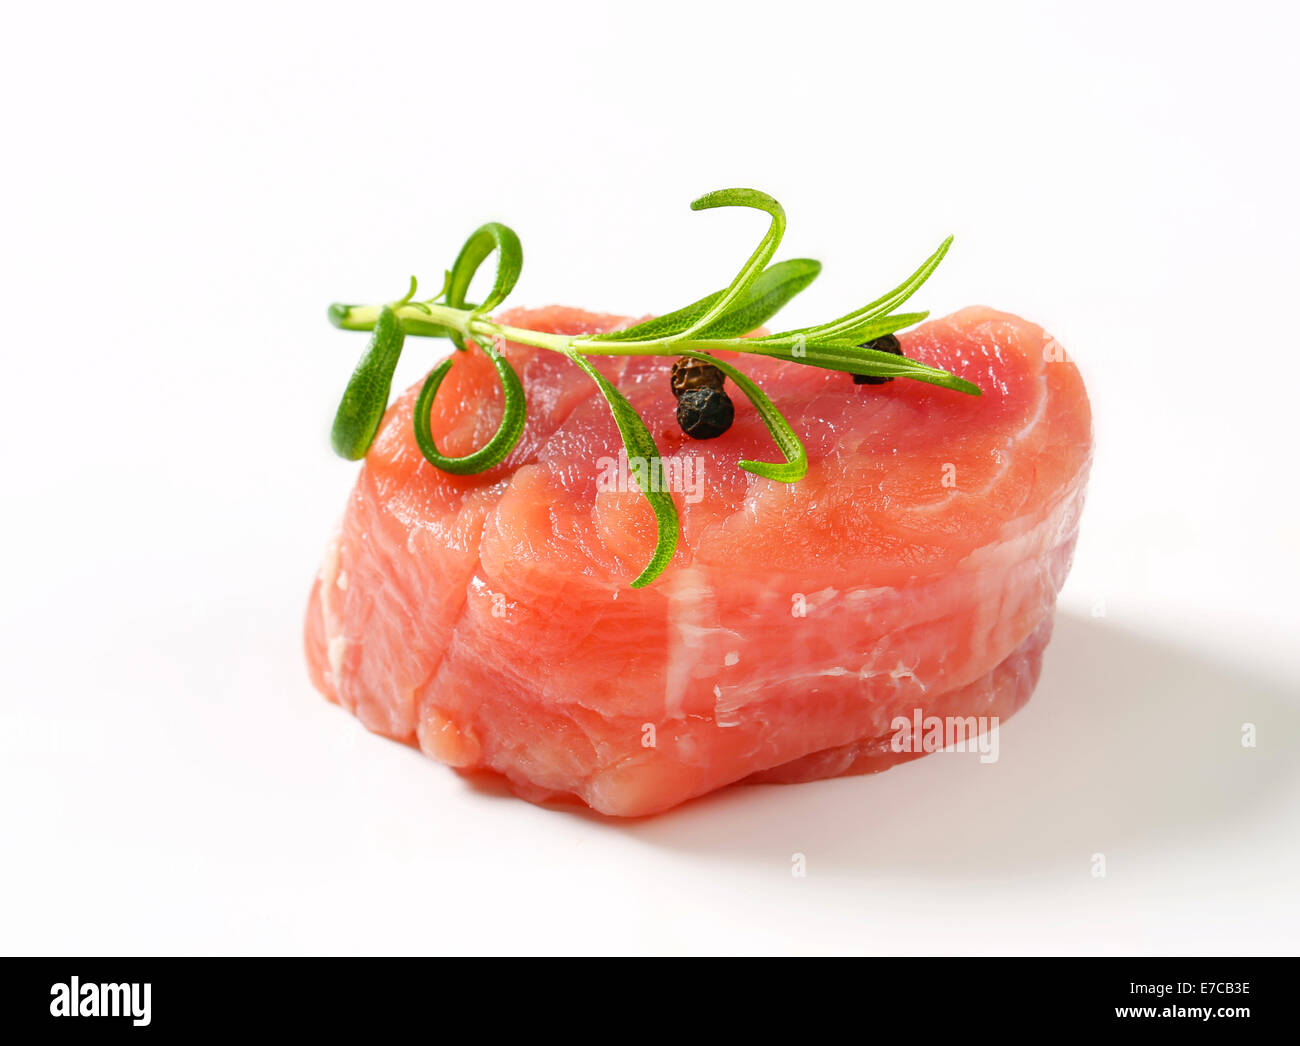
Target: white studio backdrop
186, 188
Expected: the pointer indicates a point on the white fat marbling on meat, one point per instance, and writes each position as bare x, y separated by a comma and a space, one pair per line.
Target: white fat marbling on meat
337, 648
690, 608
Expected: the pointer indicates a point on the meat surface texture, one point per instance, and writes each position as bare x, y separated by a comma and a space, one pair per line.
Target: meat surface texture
488, 619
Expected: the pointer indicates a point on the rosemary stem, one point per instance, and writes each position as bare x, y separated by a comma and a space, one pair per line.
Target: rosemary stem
430, 320
438, 319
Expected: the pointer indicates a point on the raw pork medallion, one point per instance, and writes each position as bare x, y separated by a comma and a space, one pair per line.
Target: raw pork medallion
913, 571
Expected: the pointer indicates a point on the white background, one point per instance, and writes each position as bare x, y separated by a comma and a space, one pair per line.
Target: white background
183, 193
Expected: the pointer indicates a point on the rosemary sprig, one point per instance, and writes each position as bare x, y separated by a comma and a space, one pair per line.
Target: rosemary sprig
714, 323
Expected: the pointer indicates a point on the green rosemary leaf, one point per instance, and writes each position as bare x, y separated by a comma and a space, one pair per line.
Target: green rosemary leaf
854, 359
366, 397
774, 287
510, 262
410, 293
493, 452
864, 330
764, 298
878, 326
757, 261
640, 444
668, 323
795, 466
884, 304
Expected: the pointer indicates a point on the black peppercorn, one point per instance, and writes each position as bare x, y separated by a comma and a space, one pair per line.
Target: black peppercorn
690, 373
704, 412
886, 344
